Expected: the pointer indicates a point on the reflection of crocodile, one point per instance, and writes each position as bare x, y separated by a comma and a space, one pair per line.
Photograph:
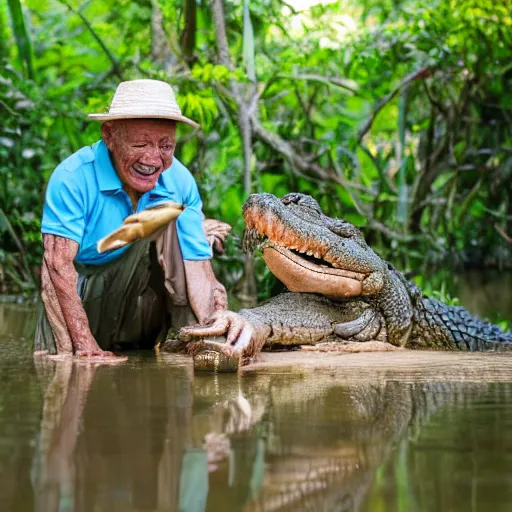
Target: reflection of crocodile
321, 438
152, 436
349, 294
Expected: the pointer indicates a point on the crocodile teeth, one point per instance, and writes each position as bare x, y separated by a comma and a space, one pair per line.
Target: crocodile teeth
251, 240
329, 258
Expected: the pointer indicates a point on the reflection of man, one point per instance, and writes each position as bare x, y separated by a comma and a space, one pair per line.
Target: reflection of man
94, 302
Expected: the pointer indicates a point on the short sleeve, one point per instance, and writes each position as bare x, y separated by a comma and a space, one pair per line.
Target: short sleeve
64, 209
177, 184
193, 243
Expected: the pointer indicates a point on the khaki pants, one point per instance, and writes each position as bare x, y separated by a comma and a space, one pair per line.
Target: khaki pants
133, 301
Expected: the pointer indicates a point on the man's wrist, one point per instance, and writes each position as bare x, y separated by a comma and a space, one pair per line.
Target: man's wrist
220, 299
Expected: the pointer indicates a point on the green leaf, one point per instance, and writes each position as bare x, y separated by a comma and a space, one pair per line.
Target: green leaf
22, 38
248, 43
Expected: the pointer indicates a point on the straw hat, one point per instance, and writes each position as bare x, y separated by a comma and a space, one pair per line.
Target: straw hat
143, 99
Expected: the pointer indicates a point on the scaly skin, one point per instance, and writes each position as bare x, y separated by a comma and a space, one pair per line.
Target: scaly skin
395, 309
308, 319
347, 294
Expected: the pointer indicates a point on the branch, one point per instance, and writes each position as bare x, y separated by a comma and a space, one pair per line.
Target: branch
389, 233
434, 102
248, 291
108, 53
220, 34
292, 9
327, 80
278, 144
422, 73
302, 165
161, 52
9, 109
502, 233
236, 92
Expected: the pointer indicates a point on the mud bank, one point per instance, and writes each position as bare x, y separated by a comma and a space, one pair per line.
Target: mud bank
401, 365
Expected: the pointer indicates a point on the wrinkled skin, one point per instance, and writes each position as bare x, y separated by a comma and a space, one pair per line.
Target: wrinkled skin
65, 312
348, 297
141, 150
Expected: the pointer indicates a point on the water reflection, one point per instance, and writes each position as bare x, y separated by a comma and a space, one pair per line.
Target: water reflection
433, 434
112, 438
17, 321
149, 436
54, 470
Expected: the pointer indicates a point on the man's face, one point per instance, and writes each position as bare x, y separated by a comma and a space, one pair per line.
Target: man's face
141, 148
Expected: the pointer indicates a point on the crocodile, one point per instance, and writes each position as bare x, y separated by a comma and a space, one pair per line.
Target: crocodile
342, 294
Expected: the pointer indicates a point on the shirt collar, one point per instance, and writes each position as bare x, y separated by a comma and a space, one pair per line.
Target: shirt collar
108, 180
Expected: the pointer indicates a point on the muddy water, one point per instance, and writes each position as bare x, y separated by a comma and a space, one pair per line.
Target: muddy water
300, 431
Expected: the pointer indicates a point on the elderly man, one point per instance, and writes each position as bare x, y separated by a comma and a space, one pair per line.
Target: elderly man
128, 297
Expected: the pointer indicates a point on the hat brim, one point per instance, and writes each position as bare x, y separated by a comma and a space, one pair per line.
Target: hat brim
113, 117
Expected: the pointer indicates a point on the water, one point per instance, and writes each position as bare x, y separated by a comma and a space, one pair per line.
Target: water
370, 432
487, 294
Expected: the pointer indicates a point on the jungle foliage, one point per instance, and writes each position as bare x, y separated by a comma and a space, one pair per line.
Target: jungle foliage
394, 114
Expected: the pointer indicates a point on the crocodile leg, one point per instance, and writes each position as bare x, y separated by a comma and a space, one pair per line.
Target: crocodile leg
367, 327
323, 325
307, 319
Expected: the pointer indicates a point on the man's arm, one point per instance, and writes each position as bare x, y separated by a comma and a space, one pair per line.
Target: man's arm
64, 308
196, 235
205, 294
208, 300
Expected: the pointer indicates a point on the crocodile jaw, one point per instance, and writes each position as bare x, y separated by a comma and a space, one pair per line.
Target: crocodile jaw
301, 275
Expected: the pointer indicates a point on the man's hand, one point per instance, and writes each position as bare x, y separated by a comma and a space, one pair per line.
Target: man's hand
238, 330
216, 232
243, 341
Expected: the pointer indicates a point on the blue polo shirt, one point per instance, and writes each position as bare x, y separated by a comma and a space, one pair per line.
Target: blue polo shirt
85, 201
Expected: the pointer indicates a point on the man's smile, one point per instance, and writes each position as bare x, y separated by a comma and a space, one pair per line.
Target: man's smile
145, 170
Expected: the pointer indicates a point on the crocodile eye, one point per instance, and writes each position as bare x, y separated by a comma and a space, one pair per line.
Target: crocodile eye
302, 200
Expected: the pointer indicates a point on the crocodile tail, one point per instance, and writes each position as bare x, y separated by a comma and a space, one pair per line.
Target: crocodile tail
438, 325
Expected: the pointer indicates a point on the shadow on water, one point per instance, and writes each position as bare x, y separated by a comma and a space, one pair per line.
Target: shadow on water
375, 432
